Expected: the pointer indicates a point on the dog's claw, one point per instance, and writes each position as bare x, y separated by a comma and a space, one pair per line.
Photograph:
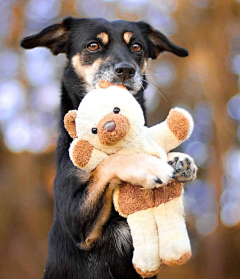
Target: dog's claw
158, 180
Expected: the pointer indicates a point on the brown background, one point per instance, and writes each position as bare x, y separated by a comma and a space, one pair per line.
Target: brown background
210, 30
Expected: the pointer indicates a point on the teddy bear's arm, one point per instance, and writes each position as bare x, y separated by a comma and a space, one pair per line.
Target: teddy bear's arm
85, 156
174, 130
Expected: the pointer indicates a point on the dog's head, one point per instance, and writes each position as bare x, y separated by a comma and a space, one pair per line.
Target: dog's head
97, 49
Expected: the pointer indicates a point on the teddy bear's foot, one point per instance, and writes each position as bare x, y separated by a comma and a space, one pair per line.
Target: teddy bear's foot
178, 261
147, 274
174, 244
183, 165
146, 259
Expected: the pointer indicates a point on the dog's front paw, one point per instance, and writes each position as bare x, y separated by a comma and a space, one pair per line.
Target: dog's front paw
183, 165
140, 169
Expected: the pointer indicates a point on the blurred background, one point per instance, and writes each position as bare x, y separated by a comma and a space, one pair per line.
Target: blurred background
207, 84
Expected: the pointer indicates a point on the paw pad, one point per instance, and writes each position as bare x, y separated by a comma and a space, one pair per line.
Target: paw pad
184, 168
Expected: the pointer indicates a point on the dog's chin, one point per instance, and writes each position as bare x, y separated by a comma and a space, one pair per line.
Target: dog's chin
132, 86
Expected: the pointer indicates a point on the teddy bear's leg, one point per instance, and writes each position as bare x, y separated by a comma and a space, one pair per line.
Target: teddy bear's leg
174, 242
144, 233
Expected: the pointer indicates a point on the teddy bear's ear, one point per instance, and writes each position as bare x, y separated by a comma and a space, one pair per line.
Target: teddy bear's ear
69, 123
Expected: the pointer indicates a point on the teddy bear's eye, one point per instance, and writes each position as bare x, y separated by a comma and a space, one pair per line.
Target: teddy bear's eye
94, 130
116, 110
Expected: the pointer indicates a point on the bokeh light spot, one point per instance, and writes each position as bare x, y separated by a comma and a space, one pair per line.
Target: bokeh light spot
9, 63
38, 10
152, 98
39, 67
238, 132
207, 223
164, 73
39, 139
17, 134
233, 107
230, 214
160, 20
92, 8
199, 200
233, 163
202, 113
12, 98
236, 64
199, 152
46, 98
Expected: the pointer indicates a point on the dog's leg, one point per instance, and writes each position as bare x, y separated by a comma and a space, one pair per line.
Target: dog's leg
82, 201
136, 169
174, 242
144, 233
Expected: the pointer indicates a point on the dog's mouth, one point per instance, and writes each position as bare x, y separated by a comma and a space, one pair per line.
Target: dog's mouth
105, 83
130, 85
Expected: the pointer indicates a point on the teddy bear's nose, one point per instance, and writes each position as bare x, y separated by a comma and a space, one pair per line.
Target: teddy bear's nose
110, 126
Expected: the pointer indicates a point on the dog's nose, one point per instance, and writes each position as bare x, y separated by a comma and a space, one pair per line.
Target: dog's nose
124, 70
110, 126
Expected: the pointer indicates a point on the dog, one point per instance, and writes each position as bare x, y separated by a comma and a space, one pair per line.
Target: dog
116, 52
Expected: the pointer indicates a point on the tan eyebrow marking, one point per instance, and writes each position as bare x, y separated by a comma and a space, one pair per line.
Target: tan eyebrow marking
127, 37
103, 37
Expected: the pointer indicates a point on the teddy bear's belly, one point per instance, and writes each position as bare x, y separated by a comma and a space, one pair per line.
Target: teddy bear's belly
133, 198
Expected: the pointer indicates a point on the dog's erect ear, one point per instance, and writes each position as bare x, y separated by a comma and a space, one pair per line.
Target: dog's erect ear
69, 123
54, 37
158, 42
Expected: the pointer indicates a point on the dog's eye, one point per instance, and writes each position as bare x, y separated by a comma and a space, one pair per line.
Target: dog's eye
94, 130
136, 47
93, 46
116, 110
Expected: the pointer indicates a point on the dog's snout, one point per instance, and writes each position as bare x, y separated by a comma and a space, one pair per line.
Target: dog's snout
110, 126
124, 70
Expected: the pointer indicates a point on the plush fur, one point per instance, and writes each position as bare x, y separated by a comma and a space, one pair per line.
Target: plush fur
76, 209
116, 108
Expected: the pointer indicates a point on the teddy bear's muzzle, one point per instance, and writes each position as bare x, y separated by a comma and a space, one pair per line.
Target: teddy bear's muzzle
112, 128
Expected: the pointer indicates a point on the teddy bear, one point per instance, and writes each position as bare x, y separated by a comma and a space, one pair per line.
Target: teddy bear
108, 121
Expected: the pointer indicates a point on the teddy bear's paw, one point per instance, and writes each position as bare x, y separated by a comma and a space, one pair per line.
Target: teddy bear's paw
183, 165
147, 274
178, 261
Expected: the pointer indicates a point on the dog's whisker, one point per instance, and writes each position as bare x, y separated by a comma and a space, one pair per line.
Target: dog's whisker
157, 74
155, 88
151, 70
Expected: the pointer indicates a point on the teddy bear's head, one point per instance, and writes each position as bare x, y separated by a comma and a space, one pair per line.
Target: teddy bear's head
106, 118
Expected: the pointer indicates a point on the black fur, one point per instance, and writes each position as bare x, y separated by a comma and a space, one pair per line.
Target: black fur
111, 257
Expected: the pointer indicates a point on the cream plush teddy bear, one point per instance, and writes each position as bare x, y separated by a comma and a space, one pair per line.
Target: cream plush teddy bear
110, 121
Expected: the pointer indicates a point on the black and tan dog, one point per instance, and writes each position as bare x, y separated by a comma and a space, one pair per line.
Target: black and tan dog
116, 52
